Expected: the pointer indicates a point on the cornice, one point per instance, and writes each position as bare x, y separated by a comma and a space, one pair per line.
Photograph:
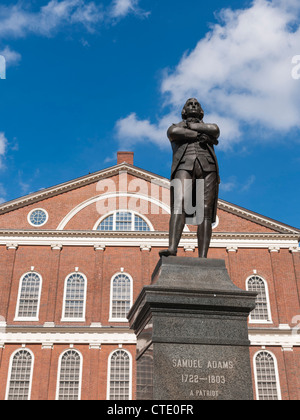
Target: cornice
97, 336
20, 233
257, 218
58, 239
66, 335
274, 336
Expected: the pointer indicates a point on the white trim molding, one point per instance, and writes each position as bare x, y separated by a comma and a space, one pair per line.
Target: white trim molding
58, 335
154, 239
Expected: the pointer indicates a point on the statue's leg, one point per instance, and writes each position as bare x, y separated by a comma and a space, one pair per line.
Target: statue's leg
177, 220
177, 223
204, 232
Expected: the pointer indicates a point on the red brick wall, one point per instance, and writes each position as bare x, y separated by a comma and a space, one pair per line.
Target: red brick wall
46, 362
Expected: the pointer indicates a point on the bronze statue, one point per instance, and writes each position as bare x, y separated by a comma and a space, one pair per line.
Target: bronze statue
194, 159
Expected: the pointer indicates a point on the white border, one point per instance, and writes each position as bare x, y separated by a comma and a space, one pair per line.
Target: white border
276, 373
64, 318
30, 213
111, 319
27, 318
10, 368
255, 321
59, 372
109, 372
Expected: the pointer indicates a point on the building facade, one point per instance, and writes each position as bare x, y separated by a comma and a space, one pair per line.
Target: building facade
75, 257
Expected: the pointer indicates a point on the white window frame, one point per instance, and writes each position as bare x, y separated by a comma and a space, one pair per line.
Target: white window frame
10, 370
276, 373
28, 318
111, 319
261, 321
32, 224
109, 372
64, 318
133, 213
59, 373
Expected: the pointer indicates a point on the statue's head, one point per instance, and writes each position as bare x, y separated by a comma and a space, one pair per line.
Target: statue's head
192, 109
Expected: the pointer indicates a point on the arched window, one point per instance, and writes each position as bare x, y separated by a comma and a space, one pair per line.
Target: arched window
121, 297
266, 376
20, 375
119, 376
75, 298
262, 312
29, 297
69, 376
144, 380
124, 221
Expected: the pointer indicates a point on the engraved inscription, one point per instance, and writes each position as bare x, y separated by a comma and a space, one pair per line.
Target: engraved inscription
204, 379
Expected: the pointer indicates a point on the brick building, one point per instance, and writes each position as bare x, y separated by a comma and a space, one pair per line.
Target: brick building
74, 258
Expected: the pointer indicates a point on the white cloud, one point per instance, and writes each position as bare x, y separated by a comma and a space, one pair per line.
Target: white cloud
3, 147
2, 194
233, 184
12, 57
121, 8
241, 71
17, 21
131, 130
242, 68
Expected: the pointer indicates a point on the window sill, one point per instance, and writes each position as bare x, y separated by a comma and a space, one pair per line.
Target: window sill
28, 319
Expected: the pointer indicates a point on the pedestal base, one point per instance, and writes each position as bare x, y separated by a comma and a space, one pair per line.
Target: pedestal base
192, 334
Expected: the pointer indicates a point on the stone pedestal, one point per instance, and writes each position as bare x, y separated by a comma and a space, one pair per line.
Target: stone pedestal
192, 335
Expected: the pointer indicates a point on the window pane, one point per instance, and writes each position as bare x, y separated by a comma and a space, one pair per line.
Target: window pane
121, 296
75, 296
38, 217
266, 377
107, 224
123, 221
140, 224
119, 376
69, 379
261, 312
20, 376
29, 296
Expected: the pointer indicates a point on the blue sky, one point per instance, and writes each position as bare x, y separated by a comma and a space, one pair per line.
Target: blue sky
85, 79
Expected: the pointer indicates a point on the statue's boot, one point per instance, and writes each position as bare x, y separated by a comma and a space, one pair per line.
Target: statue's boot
177, 223
204, 237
